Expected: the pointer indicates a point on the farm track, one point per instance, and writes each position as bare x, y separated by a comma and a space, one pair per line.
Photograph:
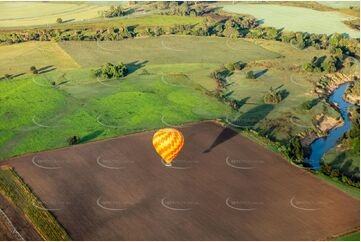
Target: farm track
260, 196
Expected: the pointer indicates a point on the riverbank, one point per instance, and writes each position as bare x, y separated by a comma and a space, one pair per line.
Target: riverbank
323, 144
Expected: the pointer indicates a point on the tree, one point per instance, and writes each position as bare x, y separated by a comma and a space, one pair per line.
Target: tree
230, 66
295, 149
34, 70
114, 12
250, 75
73, 140
59, 20
109, 71
272, 97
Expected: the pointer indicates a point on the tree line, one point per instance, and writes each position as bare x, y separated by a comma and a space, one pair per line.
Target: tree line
234, 27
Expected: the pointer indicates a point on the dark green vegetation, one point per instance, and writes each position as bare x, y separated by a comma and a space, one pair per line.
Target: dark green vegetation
324, 64
342, 162
109, 71
114, 11
18, 192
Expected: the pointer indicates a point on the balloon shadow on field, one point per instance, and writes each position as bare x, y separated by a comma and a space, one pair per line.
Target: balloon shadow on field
246, 120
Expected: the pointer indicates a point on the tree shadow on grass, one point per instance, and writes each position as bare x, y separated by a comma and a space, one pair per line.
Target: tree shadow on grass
260, 73
8, 76
68, 20
135, 65
91, 136
345, 165
46, 69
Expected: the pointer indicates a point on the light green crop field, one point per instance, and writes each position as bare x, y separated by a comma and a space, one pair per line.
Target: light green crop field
14, 14
166, 49
340, 4
296, 18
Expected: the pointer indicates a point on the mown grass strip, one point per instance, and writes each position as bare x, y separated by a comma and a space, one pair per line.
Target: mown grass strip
12, 186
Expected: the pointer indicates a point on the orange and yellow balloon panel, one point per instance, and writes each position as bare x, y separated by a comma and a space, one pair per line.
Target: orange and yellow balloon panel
168, 142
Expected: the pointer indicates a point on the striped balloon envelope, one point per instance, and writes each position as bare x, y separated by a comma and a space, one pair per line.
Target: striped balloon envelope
168, 142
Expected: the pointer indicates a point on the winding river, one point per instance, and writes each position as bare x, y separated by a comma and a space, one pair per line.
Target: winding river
321, 145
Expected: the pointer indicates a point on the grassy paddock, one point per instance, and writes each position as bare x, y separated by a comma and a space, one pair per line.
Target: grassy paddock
17, 59
17, 191
296, 18
349, 237
166, 50
25, 14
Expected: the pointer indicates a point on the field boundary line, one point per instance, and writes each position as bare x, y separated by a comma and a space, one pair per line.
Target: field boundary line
67, 55
10, 224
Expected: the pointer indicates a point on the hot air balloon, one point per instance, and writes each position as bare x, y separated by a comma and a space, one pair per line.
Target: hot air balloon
168, 142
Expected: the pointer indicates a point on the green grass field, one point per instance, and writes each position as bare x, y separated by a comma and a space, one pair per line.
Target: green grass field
96, 109
21, 196
166, 49
349, 237
167, 85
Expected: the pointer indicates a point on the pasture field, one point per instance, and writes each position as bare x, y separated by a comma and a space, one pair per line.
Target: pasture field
44, 222
350, 237
287, 118
223, 181
136, 20
341, 4
296, 18
25, 14
55, 114
169, 79
17, 59
166, 49
346, 161
158, 91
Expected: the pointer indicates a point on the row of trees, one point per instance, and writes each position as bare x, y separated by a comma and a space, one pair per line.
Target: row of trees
324, 64
328, 170
235, 27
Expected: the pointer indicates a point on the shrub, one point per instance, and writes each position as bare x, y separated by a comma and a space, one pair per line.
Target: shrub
110, 71
59, 20
7, 76
250, 75
74, 140
230, 66
295, 149
34, 70
272, 97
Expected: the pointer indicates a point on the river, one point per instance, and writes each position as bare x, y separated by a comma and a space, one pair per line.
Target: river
321, 145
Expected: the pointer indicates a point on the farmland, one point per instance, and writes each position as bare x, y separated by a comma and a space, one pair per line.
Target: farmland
85, 85
169, 89
32, 14
296, 18
123, 185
